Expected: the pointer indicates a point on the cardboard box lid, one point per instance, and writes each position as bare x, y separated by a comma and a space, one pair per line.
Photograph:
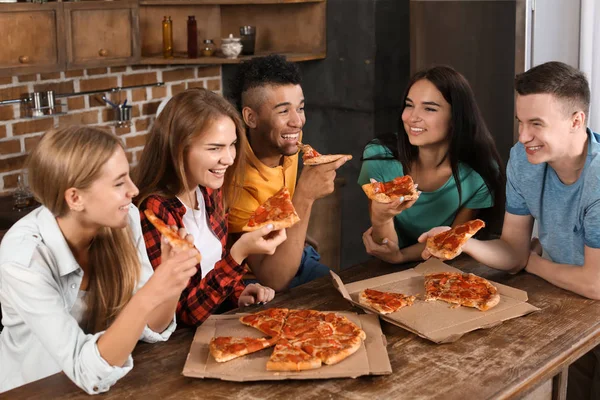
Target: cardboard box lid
436, 320
371, 359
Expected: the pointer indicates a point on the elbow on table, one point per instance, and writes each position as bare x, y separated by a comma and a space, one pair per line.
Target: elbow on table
592, 291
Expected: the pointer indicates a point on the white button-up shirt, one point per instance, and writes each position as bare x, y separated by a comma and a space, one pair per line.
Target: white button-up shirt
39, 283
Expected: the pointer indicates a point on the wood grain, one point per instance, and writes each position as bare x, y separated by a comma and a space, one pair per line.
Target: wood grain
102, 34
32, 38
507, 361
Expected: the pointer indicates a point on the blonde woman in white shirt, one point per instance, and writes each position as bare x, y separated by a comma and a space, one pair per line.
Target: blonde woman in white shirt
76, 287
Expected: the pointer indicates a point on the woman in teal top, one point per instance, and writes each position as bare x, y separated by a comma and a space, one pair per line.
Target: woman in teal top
445, 146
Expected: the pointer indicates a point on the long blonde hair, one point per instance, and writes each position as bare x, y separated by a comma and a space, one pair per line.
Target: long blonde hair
73, 158
186, 116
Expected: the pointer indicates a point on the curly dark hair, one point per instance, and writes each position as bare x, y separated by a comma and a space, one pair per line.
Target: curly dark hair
273, 69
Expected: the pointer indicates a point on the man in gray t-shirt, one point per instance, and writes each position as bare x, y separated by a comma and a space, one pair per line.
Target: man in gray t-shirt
553, 177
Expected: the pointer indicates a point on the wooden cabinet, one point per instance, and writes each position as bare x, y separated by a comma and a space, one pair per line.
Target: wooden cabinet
58, 35
101, 33
31, 37
294, 28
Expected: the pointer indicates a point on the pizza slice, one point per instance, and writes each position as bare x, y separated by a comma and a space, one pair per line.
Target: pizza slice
226, 348
342, 326
386, 192
269, 321
448, 244
461, 289
172, 237
331, 350
277, 210
312, 157
385, 302
286, 357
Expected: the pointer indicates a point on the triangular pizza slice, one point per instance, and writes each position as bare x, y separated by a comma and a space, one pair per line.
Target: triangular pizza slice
277, 210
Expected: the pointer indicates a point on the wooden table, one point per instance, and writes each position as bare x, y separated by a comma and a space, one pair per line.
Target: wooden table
511, 360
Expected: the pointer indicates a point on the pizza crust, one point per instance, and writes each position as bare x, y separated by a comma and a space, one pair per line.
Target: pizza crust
221, 353
363, 298
435, 291
384, 198
326, 159
280, 359
453, 240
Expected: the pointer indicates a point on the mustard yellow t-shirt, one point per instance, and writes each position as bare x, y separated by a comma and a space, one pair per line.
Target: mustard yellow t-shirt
260, 183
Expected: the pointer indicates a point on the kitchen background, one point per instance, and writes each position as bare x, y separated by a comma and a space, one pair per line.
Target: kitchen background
352, 95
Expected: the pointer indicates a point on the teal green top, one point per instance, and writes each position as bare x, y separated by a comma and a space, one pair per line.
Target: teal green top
437, 208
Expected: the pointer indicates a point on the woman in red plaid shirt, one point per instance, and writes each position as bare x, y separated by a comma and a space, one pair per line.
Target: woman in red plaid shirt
188, 173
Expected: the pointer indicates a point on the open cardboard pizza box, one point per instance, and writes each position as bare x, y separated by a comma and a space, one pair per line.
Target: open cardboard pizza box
370, 359
436, 320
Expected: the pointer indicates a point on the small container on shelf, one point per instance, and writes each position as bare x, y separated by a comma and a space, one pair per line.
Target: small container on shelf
209, 48
231, 46
192, 38
22, 196
167, 31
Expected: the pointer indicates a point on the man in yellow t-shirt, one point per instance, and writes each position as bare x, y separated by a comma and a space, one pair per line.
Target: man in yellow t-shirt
268, 94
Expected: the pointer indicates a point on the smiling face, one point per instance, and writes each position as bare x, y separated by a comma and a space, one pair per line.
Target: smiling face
544, 127
426, 115
211, 153
106, 202
278, 120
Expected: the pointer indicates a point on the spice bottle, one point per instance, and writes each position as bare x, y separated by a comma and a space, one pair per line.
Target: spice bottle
192, 37
208, 50
167, 31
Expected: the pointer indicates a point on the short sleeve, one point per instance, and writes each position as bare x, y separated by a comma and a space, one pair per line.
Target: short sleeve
240, 213
591, 225
380, 170
482, 198
515, 202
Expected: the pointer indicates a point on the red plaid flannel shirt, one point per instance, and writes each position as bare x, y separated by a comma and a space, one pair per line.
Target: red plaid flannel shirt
202, 296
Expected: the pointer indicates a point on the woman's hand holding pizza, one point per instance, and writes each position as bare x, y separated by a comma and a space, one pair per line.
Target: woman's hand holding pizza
255, 293
388, 251
177, 266
384, 212
261, 241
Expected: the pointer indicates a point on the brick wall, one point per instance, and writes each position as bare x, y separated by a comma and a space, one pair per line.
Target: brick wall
18, 135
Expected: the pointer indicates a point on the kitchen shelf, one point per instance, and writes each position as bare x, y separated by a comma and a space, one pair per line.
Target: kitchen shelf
222, 2
182, 59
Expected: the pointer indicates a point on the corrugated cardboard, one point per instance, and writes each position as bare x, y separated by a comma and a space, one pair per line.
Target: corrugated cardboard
436, 320
370, 359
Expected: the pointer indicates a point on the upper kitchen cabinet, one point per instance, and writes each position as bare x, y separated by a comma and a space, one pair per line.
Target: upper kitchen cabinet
102, 33
32, 38
295, 28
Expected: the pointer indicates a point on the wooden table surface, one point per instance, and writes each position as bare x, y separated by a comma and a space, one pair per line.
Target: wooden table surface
507, 361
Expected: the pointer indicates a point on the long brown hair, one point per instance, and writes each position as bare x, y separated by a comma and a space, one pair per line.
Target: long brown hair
73, 158
162, 170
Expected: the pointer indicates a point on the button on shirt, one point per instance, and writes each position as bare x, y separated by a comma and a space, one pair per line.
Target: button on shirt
39, 286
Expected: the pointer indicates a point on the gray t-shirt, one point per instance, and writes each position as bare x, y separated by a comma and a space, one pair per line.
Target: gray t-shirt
568, 215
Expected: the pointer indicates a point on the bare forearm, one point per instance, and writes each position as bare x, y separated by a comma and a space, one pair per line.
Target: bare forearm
162, 316
497, 254
385, 230
277, 270
413, 252
577, 279
119, 340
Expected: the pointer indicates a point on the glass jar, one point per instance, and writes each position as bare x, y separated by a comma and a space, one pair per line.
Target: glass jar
208, 48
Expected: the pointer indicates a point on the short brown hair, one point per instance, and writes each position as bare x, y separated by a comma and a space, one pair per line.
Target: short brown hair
559, 79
